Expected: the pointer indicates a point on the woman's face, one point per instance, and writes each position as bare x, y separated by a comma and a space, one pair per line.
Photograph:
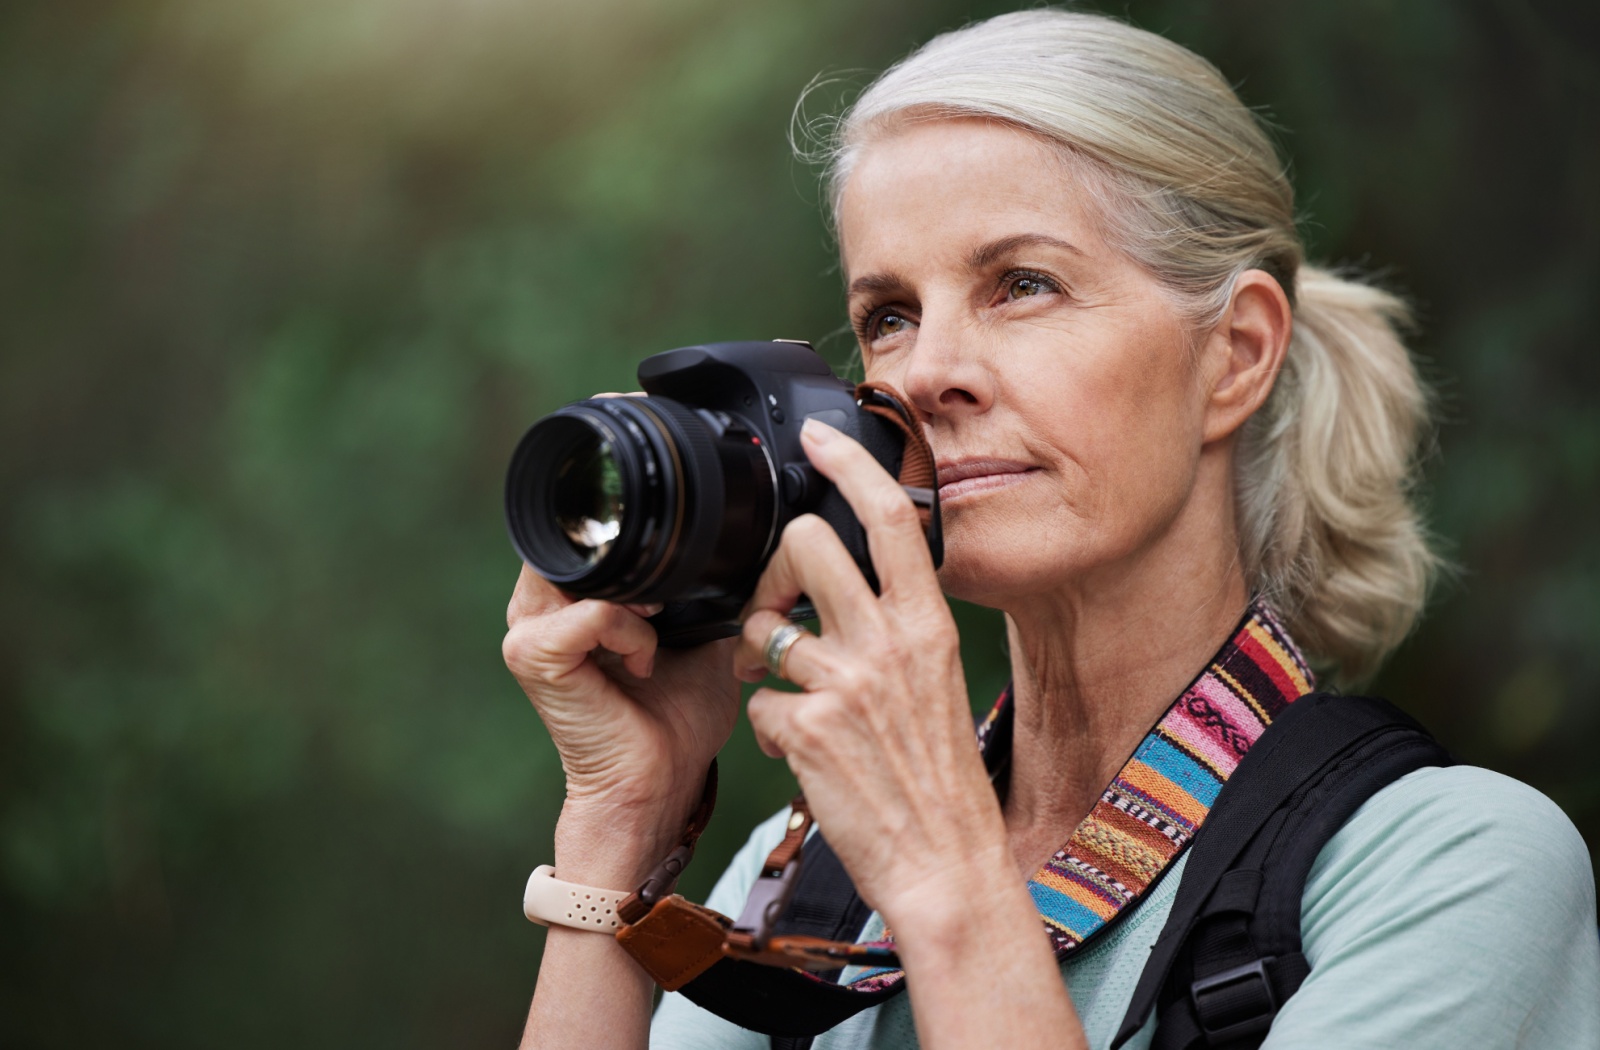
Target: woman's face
1053, 375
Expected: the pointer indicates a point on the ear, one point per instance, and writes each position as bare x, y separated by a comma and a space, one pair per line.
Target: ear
1244, 352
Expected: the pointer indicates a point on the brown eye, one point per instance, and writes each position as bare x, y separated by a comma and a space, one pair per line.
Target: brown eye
889, 324
1023, 287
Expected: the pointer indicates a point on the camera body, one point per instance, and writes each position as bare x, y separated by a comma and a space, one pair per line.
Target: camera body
680, 497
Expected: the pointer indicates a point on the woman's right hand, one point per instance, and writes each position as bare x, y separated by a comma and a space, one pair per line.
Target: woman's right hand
635, 726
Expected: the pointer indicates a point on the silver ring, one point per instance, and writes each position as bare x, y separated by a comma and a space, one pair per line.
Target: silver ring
779, 642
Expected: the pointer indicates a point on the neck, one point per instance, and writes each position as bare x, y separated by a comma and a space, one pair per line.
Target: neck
1094, 666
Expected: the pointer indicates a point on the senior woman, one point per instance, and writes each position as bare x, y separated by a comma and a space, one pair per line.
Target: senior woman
1179, 460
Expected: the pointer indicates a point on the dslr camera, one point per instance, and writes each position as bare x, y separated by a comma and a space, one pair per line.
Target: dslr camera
680, 497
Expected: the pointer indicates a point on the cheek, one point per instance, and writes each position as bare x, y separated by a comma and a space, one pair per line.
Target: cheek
1127, 418
1142, 438
1121, 443
884, 368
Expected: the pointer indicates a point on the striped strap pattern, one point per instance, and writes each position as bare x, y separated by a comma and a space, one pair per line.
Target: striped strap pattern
1153, 808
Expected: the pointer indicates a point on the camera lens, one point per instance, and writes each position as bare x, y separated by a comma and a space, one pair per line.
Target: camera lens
586, 497
641, 500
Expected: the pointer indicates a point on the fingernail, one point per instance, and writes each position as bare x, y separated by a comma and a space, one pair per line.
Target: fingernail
818, 431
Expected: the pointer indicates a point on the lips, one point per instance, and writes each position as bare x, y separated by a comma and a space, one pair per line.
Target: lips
964, 477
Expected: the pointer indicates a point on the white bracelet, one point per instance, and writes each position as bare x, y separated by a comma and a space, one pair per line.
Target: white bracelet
549, 900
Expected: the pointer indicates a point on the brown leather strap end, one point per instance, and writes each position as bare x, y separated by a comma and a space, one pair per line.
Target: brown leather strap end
918, 469
770, 894
676, 942
702, 814
793, 838
778, 951
800, 952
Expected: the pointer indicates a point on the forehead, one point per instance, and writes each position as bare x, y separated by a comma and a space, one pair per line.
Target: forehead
930, 190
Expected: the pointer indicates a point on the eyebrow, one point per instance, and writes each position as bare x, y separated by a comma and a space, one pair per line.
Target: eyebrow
986, 255
982, 257
879, 283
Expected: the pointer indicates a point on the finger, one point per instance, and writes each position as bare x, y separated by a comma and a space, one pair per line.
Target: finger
895, 538
619, 631
534, 596
558, 644
770, 711
805, 664
812, 560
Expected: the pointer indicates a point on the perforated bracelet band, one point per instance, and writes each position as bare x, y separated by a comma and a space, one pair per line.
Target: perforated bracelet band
548, 900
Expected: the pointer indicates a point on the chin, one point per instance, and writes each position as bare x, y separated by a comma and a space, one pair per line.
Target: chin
985, 574
998, 560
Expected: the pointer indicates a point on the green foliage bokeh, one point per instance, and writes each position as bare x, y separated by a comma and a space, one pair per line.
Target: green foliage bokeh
285, 281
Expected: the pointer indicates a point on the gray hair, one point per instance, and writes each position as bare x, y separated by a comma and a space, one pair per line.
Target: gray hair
1194, 191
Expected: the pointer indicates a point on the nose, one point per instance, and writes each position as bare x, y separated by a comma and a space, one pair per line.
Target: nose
946, 373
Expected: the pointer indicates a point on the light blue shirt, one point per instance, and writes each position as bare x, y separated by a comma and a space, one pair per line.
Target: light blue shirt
1456, 908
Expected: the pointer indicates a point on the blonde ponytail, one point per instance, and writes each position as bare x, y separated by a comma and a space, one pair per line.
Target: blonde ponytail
1194, 191
1326, 478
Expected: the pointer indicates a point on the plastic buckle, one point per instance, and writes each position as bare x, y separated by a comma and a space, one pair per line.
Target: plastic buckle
1235, 1003
768, 898
660, 882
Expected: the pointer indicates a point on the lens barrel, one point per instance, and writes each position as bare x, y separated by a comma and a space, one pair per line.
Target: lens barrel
641, 500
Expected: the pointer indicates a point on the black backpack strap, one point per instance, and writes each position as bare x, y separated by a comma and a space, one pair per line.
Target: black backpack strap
826, 905
790, 1006
1230, 953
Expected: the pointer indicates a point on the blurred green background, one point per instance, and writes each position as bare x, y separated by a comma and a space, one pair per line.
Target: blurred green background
283, 282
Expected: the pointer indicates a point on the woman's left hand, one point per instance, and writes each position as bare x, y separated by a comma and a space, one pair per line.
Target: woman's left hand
881, 739
882, 743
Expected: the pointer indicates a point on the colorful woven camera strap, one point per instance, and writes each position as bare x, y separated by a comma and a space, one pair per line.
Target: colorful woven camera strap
1140, 826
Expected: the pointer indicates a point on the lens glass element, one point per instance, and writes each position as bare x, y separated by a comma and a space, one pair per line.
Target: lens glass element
587, 498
